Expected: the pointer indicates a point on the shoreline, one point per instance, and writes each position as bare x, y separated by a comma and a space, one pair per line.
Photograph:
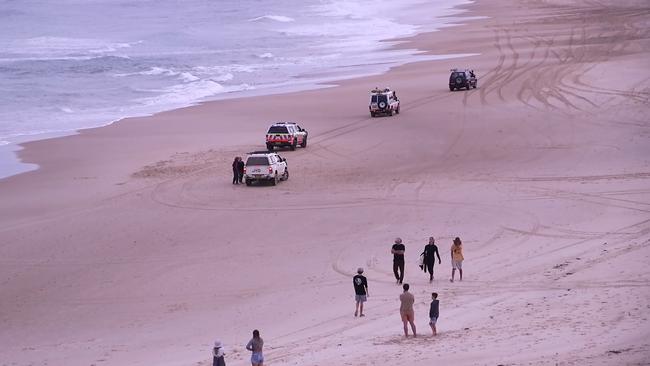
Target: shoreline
131, 246
12, 164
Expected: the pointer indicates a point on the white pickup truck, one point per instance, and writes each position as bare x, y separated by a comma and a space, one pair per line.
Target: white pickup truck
264, 166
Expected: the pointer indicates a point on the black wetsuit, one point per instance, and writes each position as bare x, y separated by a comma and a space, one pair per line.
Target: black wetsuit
430, 253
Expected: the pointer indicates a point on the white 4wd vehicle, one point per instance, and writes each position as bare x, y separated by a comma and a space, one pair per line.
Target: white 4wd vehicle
285, 134
265, 166
383, 102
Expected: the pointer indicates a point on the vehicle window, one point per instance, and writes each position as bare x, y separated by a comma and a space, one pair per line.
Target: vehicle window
291, 130
257, 160
382, 98
278, 129
373, 99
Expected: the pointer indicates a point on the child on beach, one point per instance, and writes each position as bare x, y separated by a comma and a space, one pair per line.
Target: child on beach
434, 313
255, 345
361, 291
456, 259
218, 355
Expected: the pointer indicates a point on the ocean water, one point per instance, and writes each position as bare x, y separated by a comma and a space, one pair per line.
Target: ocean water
66, 65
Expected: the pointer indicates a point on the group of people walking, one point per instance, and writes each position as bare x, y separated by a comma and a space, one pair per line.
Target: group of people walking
428, 258
360, 282
406, 299
238, 170
255, 345
427, 262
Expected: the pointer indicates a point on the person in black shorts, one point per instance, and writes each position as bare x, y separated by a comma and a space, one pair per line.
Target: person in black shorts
398, 260
360, 290
430, 253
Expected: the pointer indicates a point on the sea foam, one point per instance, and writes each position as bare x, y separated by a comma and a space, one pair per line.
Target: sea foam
277, 18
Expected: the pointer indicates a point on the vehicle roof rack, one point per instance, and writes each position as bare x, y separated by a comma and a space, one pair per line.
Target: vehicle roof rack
377, 90
260, 152
285, 123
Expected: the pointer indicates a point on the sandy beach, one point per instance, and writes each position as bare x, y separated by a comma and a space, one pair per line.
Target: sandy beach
130, 245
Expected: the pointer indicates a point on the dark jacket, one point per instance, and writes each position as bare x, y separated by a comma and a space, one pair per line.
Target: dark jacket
433, 310
217, 361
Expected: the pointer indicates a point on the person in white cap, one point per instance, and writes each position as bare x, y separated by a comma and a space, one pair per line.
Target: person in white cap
360, 290
218, 354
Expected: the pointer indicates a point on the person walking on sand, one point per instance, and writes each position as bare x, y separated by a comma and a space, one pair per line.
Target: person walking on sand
398, 259
360, 290
235, 170
430, 253
255, 345
240, 170
406, 310
457, 259
434, 312
218, 354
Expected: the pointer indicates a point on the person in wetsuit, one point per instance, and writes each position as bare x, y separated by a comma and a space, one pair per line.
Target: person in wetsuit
430, 253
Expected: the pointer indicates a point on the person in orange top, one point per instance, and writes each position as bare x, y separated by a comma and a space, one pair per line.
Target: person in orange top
457, 259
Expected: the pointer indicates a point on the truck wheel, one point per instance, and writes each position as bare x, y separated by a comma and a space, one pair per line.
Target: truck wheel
304, 143
274, 181
469, 86
249, 182
390, 112
269, 147
451, 88
285, 176
397, 110
293, 146
372, 114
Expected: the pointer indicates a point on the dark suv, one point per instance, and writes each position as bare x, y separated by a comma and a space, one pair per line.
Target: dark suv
462, 78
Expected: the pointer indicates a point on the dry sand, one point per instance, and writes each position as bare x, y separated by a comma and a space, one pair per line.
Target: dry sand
131, 247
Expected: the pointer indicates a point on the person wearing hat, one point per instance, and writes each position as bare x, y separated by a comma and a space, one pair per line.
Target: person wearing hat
218, 355
361, 291
398, 259
457, 259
